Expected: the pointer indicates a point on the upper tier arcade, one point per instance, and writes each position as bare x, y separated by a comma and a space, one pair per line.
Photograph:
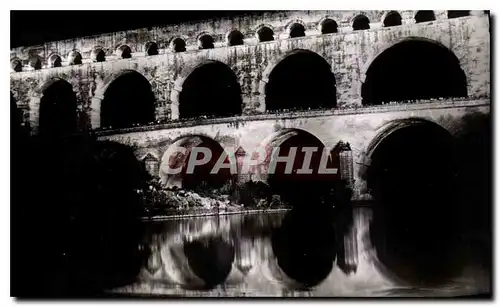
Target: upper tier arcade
240, 30
273, 62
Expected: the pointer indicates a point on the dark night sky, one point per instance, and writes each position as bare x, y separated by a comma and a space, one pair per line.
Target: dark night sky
36, 27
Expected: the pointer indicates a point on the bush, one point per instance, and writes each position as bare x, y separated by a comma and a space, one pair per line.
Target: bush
258, 195
158, 199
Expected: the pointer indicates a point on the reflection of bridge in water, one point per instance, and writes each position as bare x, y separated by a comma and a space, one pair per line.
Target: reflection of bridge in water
277, 254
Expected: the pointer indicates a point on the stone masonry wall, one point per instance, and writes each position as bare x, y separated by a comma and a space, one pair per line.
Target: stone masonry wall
357, 127
136, 39
348, 52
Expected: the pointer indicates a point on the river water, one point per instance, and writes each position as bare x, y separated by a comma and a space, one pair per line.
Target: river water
283, 254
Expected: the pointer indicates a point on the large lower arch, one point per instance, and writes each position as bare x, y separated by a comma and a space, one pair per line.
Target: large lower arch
178, 155
58, 109
413, 69
302, 79
411, 177
428, 142
209, 89
127, 101
295, 186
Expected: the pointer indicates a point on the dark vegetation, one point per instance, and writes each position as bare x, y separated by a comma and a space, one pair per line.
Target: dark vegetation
75, 229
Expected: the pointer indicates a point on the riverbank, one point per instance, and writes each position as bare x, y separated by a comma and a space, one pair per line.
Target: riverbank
204, 213
180, 214
162, 203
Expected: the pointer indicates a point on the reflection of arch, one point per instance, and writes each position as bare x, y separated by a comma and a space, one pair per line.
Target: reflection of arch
210, 258
234, 38
124, 52
197, 254
151, 48
127, 100
265, 33
436, 73
328, 26
16, 65
298, 79
55, 61
74, 58
201, 176
423, 16
98, 55
360, 22
304, 247
178, 44
176, 265
58, 108
391, 19
208, 89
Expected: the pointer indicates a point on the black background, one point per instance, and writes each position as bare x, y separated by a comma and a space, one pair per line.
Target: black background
36, 27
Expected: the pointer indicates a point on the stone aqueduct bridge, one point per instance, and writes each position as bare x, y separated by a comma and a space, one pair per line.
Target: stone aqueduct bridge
266, 60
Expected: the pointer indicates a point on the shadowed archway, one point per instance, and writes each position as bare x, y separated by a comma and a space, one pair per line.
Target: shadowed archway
457, 14
58, 108
178, 155
392, 19
301, 80
98, 55
123, 52
328, 26
360, 22
178, 45
424, 15
205, 41
55, 61
416, 219
151, 48
211, 89
265, 34
74, 58
235, 38
430, 71
128, 101
297, 30
296, 186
